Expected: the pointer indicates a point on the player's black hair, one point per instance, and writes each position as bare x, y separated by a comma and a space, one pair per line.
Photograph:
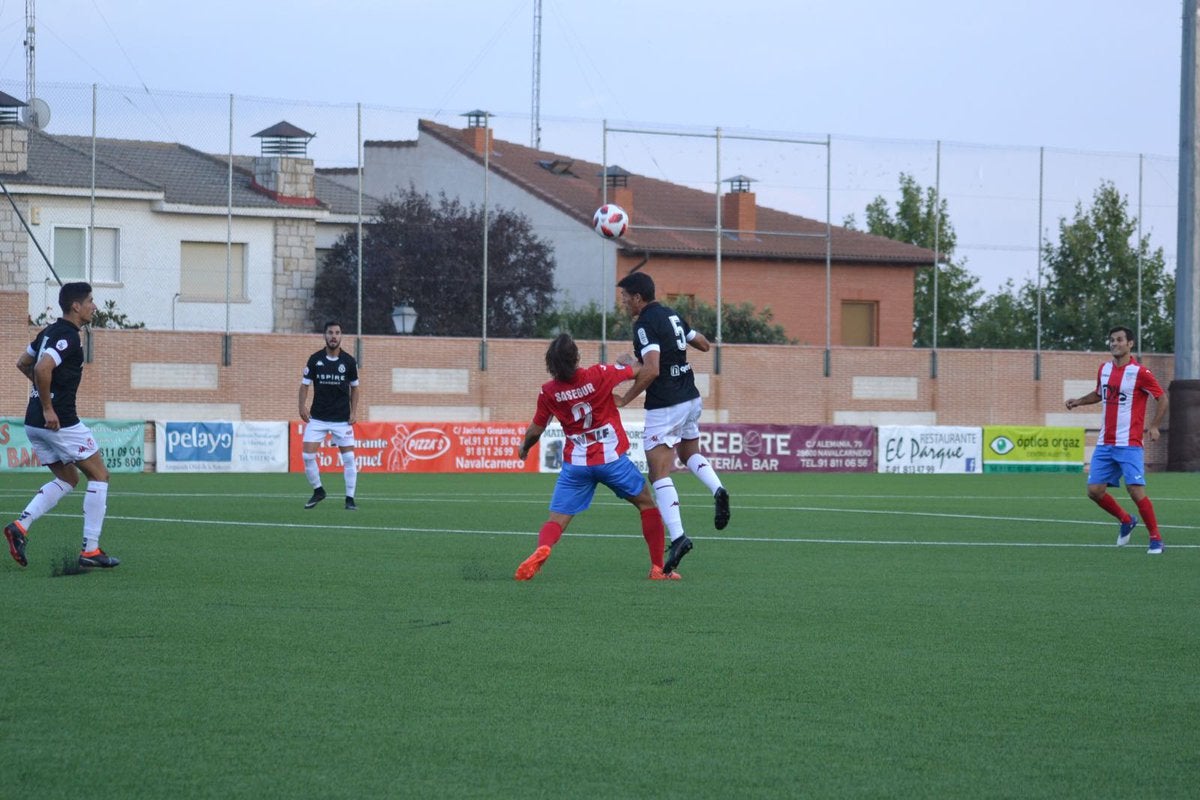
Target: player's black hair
1128, 333
562, 358
638, 283
72, 293
327, 325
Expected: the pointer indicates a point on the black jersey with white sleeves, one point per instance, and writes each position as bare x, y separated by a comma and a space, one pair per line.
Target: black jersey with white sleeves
60, 341
331, 378
659, 328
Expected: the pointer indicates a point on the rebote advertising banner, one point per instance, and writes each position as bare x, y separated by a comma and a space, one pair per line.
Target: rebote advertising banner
121, 442
788, 448
1009, 448
733, 447
221, 446
423, 447
929, 450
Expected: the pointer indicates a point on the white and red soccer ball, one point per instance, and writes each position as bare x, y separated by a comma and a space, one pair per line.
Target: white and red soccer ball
610, 221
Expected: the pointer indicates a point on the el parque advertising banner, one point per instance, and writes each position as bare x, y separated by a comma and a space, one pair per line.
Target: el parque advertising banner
423, 447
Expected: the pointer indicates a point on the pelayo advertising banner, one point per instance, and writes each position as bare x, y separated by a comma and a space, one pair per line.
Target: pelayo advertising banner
424, 447
221, 446
1009, 448
930, 450
122, 443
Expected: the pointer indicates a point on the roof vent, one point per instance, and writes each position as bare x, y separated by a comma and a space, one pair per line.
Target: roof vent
284, 139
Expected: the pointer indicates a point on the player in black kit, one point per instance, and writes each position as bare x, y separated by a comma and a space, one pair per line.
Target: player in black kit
334, 375
53, 362
660, 341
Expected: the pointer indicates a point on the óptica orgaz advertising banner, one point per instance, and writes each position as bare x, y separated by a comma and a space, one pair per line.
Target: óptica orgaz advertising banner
1012, 448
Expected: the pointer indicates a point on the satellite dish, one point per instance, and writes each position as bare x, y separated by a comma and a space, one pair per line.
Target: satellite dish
37, 114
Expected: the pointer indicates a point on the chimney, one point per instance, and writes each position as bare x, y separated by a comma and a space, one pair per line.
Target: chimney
616, 182
479, 131
283, 169
738, 211
14, 139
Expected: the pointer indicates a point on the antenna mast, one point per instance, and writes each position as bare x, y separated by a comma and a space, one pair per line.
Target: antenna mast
30, 26
535, 133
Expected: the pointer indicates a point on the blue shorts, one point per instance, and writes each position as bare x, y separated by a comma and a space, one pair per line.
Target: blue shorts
576, 485
1110, 463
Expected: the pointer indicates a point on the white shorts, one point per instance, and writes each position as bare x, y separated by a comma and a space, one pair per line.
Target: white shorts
340, 433
672, 424
67, 445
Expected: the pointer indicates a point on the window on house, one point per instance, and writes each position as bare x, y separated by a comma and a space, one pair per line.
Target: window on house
202, 272
70, 254
859, 324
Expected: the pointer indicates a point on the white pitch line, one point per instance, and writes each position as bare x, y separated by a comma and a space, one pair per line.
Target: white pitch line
586, 535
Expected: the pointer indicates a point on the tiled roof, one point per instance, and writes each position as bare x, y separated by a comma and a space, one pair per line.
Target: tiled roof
182, 174
660, 204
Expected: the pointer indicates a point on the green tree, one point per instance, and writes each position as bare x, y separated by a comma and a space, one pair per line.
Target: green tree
106, 316
1091, 279
1007, 320
427, 253
917, 215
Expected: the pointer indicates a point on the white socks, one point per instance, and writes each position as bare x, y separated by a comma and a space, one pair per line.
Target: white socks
350, 468
700, 467
95, 501
46, 499
311, 470
668, 506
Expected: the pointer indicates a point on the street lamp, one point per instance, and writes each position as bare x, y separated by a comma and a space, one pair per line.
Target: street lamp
404, 318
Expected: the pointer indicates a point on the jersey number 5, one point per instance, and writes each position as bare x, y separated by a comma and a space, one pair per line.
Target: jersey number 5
680, 337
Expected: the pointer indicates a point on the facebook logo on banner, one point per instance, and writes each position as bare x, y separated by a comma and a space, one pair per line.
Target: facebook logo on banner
199, 441
970, 465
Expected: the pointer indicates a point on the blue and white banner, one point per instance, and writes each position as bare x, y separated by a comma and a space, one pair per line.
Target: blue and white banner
929, 450
221, 446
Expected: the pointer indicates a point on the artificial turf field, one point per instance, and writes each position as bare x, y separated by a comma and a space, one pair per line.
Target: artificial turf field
847, 636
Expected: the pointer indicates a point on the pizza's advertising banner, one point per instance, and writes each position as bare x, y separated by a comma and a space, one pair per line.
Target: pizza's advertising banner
423, 447
213, 446
121, 442
930, 450
1011, 448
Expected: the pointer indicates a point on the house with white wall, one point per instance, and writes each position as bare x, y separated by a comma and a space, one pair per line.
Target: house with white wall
173, 235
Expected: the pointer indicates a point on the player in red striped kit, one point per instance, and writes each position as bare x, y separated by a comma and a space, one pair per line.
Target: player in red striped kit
1123, 385
595, 451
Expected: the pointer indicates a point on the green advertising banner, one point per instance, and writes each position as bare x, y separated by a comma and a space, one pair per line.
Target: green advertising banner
1014, 448
123, 443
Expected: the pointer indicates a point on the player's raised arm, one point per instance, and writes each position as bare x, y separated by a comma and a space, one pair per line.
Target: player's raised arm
698, 340
645, 376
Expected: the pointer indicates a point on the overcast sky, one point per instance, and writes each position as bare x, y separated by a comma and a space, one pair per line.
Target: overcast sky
996, 79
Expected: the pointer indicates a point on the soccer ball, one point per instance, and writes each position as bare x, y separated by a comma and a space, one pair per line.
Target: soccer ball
610, 221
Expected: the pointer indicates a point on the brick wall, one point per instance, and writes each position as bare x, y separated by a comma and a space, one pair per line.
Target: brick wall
758, 383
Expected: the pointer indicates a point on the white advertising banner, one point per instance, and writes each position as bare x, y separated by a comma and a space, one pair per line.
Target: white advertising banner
929, 450
553, 440
221, 446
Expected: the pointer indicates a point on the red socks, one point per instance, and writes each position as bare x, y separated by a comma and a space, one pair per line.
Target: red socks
1110, 505
1147, 508
654, 534
550, 533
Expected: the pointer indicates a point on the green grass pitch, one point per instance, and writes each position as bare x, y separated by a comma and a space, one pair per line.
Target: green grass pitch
846, 636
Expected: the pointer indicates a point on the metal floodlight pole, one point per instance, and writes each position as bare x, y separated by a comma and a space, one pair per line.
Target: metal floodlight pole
1139, 257
717, 230
1037, 353
226, 355
487, 148
828, 257
603, 249
359, 328
937, 246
